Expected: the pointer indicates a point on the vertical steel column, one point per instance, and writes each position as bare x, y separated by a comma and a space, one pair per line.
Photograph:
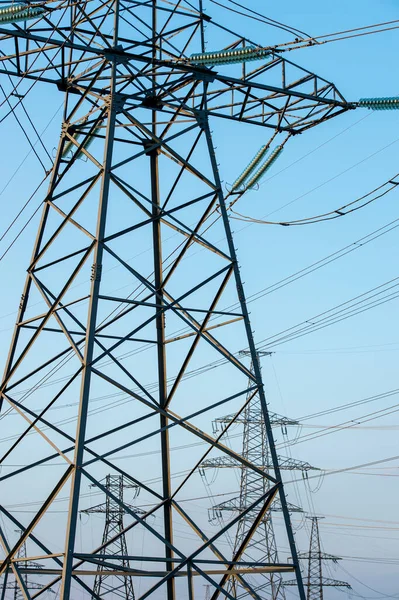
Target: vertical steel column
4, 588
160, 326
73, 511
201, 9
254, 356
316, 544
190, 582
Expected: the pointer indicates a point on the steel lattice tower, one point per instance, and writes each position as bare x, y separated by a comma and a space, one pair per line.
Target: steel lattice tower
135, 164
315, 582
114, 539
25, 585
255, 448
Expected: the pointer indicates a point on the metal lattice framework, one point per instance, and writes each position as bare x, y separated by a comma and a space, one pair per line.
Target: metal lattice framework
135, 168
315, 582
114, 539
255, 448
18, 591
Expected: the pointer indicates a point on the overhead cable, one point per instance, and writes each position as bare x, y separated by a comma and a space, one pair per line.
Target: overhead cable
342, 211
256, 16
356, 305
11, 244
337, 36
342, 426
348, 469
13, 112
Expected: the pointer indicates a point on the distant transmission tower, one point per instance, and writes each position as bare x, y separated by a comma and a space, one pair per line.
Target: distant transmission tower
315, 581
25, 583
255, 449
114, 539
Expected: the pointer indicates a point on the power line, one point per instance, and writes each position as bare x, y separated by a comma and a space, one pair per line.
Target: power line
11, 244
343, 426
257, 16
39, 139
21, 164
340, 35
341, 211
348, 469
365, 301
346, 406
381, 594
13, 112
311, 40
350, 349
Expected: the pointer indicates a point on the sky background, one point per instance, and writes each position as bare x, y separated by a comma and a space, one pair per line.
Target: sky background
319, 170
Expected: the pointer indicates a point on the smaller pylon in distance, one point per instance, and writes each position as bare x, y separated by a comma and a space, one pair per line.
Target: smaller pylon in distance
22, 569
315, 581
114, 539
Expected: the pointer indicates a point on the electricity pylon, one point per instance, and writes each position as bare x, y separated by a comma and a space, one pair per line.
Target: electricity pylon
255, 448
134, 188
17, 592
315, 582
114, 539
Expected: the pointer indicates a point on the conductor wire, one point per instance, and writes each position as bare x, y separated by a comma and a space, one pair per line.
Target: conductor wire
260, 18
342, 211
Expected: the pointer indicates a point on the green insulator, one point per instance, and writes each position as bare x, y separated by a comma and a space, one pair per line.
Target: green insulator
380, 103
12, 8
264, 168
70, 146
229, 56
88, 142
250, 168
19, 12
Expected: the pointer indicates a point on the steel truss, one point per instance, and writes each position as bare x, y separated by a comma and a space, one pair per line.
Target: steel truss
315, 582
18, 593
135, 168
114, 542
255, 448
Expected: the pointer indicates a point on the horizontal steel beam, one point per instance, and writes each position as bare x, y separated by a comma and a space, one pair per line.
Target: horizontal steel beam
157, 574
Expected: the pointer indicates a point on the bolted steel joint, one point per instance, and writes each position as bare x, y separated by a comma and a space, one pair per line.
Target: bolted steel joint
96, 270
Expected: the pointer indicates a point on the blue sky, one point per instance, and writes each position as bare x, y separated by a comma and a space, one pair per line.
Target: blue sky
355, 359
